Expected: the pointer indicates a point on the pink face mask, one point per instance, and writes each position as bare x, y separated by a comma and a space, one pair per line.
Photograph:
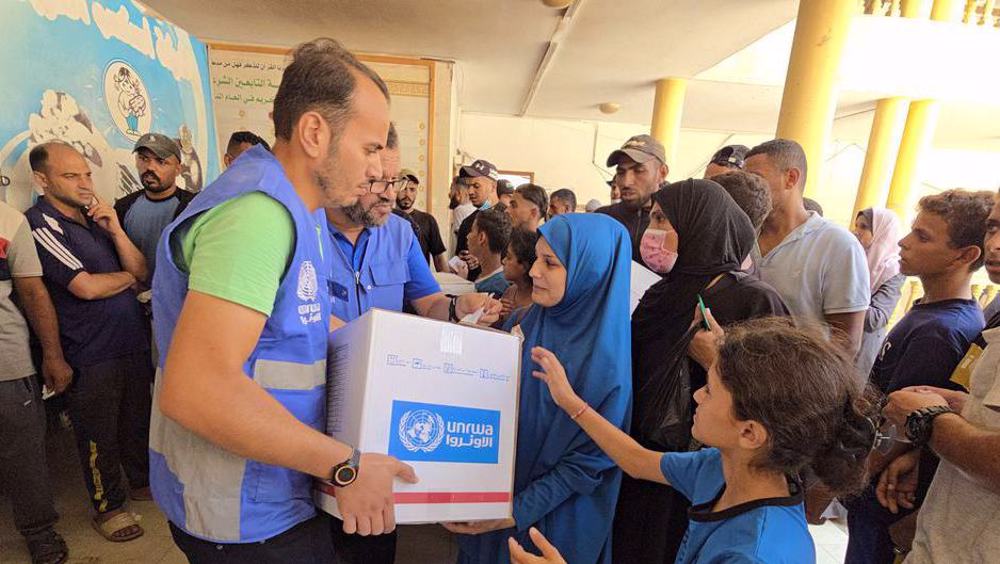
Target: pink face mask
653, 250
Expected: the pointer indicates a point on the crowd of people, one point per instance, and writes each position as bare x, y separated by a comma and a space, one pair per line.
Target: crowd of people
756, 386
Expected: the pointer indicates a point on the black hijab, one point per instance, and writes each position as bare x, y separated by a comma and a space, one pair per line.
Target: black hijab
714, 236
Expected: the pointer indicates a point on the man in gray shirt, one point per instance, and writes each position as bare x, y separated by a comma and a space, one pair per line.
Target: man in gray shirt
145, 213
23, 473
817, 267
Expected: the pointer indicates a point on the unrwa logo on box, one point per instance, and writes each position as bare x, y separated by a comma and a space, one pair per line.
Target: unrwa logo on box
421, 430
444, 433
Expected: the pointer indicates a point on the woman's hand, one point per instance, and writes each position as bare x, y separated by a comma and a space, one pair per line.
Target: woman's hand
704, 348
554, 375
549, 553
469, 304
479, 527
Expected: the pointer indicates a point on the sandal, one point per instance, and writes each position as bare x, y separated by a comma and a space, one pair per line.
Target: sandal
48, 548
114, 528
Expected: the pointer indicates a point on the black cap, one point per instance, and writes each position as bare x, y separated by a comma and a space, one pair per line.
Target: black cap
731, 156
162, 145
479, 168
505, 188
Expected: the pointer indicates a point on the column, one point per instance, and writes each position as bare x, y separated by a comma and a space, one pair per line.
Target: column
809, 98
921, 121
668, 106
882, 143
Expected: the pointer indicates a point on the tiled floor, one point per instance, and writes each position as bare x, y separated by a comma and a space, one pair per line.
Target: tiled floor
427, 544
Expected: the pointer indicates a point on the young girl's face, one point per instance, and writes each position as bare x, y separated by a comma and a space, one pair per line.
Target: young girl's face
714, 424
513, 270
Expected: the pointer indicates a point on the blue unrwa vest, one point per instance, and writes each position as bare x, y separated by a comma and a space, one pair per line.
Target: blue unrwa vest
205, 490
383, 274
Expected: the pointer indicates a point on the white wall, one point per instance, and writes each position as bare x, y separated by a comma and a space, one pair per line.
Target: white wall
572, 153
569, 153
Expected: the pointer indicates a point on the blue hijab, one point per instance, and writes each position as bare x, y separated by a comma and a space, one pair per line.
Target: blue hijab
563, 483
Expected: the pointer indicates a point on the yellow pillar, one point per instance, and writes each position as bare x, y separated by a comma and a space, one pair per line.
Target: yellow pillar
667, 109
944, 10
882, 143
910, 8
920, 123
809, 98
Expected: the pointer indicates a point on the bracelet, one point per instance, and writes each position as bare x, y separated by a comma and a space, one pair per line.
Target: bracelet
585, 407
452, 313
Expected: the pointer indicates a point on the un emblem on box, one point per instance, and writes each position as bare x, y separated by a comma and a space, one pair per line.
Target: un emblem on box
444, 433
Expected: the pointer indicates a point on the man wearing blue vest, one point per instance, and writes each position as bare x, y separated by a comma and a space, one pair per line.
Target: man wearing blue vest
242, 318
378, 263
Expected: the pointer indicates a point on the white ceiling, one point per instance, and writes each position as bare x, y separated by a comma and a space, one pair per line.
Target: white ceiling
612, 50
609, 50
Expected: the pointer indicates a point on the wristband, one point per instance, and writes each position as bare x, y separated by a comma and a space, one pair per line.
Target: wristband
585, 407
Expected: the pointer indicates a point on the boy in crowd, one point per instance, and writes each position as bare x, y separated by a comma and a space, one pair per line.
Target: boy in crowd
944, 249
488, 242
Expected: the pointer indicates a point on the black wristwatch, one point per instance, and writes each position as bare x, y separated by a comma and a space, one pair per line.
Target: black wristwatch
346, 472
920, 423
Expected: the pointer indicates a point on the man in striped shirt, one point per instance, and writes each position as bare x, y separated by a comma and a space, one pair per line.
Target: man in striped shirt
91, 269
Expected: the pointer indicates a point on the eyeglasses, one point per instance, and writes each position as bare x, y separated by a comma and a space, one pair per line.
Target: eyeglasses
380, 186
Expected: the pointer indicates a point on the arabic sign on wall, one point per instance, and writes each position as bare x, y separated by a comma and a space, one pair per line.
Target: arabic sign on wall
98, 74
246, 79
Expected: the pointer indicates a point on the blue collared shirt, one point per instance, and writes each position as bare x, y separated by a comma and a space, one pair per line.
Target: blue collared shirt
384, 268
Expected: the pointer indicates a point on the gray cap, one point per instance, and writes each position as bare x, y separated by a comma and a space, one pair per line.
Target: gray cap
639, 148
408, 173
162, 145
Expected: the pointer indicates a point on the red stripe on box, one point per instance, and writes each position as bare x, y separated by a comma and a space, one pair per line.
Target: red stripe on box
435, 497
452, 497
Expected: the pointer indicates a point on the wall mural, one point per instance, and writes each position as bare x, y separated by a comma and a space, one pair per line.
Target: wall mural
98, 74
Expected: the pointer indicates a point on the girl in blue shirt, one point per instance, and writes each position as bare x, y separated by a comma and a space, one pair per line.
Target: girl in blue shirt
779, 400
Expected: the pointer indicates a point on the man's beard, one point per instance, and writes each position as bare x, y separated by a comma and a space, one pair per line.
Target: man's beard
361, 216
404, 204
157, 187
335, 193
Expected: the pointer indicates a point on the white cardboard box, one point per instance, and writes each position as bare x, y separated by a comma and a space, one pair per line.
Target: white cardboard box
441, 397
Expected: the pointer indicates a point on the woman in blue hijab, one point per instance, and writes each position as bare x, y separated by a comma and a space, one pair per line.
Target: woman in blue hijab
564, 485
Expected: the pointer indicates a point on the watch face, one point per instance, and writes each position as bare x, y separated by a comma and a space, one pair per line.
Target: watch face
345, 475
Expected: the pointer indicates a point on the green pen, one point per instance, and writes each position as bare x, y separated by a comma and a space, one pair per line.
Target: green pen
704, 317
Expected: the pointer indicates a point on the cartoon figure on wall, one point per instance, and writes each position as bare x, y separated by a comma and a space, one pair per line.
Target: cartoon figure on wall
113, 73
127, 98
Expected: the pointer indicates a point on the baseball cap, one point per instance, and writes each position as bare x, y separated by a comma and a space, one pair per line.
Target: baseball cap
162, 145
504, 187
407, 173
639, 148
730, 155
479, 168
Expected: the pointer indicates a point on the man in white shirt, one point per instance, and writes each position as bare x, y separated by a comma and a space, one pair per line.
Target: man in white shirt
817, 267
461, 208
